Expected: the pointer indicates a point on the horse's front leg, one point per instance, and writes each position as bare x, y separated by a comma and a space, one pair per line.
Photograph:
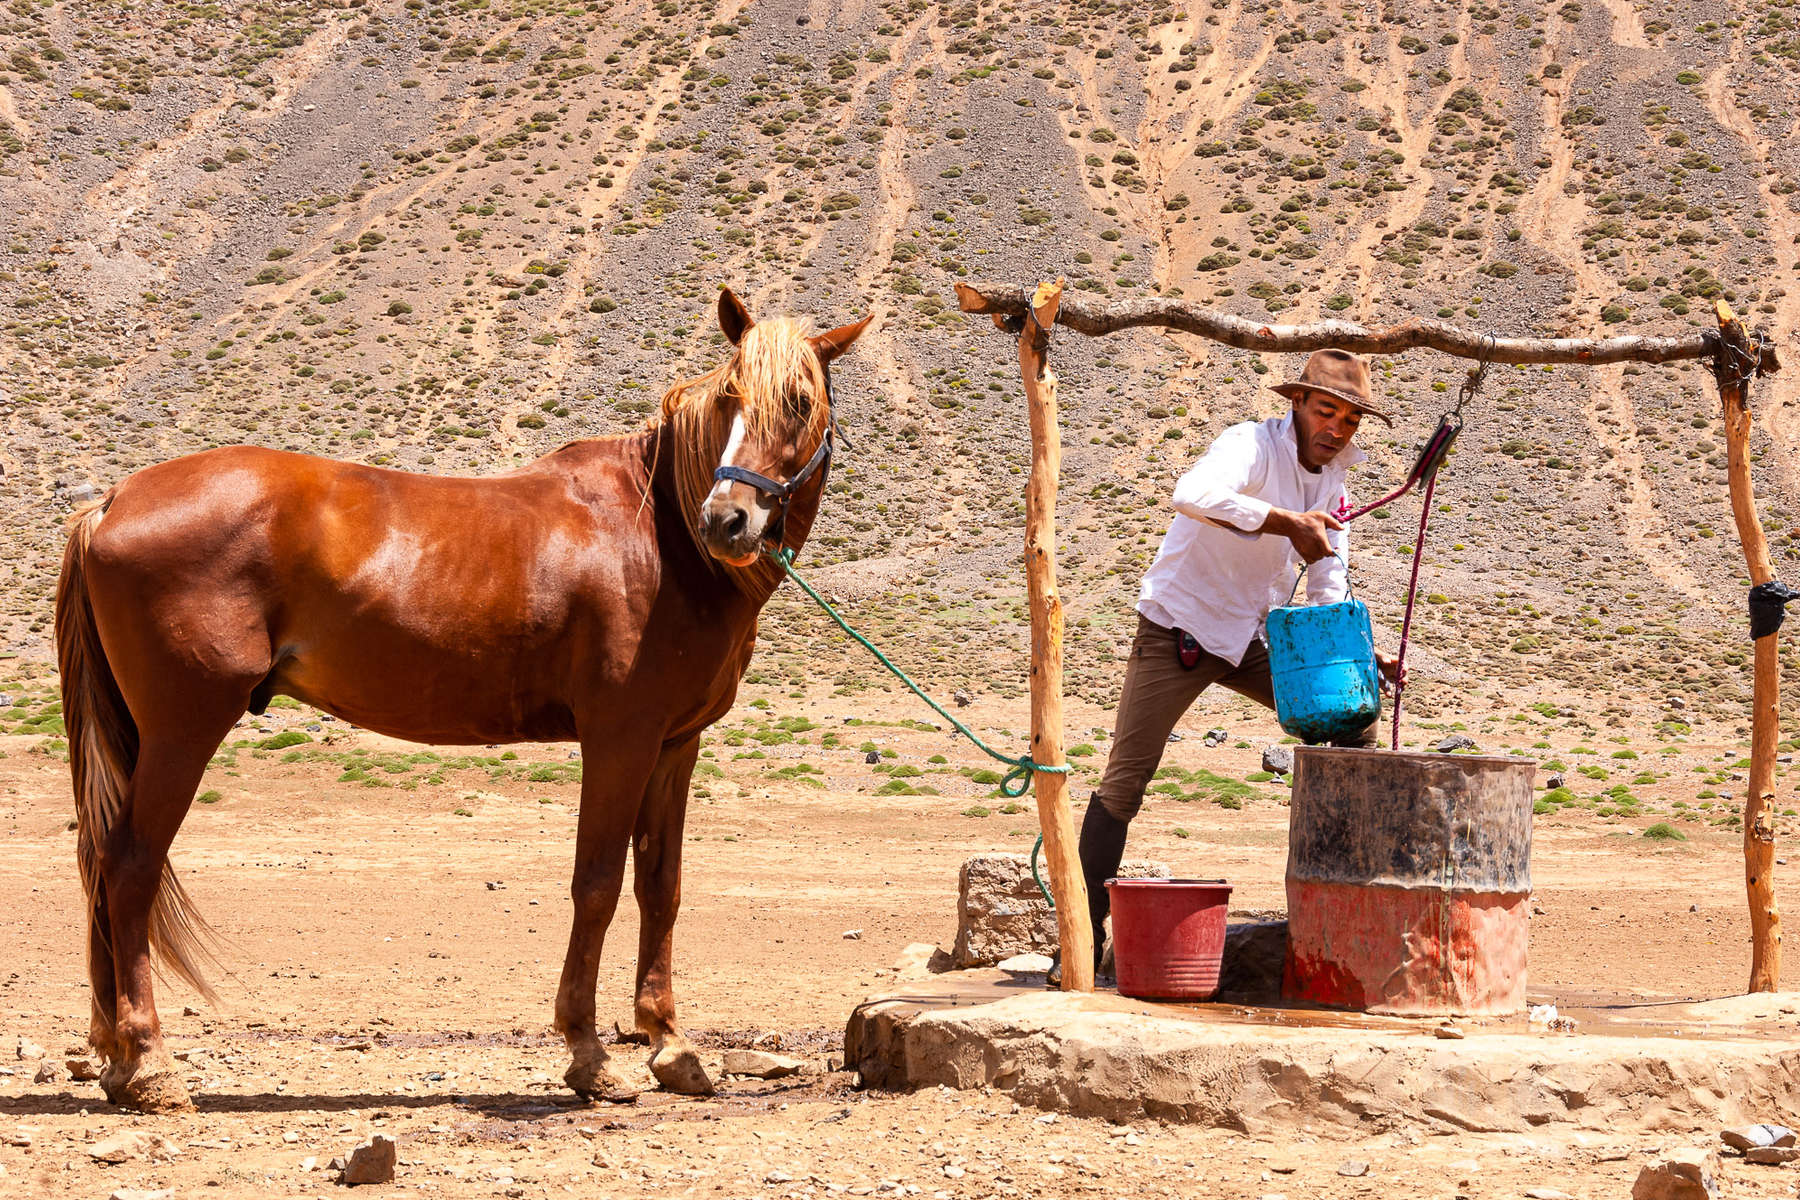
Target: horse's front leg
613, 781
656, 858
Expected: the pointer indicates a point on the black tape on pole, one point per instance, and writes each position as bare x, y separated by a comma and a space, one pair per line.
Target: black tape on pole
1768, 603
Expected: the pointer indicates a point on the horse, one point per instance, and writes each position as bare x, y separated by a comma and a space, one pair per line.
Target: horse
606, 593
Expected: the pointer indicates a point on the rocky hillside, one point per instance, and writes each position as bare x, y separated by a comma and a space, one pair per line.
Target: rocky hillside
449, 235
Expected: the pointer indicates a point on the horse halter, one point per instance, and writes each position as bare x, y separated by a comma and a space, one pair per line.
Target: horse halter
783, 493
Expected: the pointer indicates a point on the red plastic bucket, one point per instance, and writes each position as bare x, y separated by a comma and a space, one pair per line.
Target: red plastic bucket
1168, 936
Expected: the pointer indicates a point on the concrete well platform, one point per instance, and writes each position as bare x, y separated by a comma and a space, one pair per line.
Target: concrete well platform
1672, 1066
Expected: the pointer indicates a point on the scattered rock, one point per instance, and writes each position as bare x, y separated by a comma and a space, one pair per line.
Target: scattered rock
494, 885
1026, 964
872, 757
1215, 737
962, 698
1278, 759
371, 1162
1250, 967
760, 1064
629, 1035
1455, 741
767, 1041
47, 1072
1450, 1031
921, 959
1772, 1156
142, 1194
1000, 912
1752, 1136
29, 1051
1353, 1169
1547, 1193
134, 1144
852, 935
1554, 780
1685, 1174
81, 1070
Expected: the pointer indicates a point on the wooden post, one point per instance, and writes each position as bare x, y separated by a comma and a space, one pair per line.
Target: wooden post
1052, 790
1765, 725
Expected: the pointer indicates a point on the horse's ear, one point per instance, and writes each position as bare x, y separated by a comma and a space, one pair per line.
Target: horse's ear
830, 344
734, 318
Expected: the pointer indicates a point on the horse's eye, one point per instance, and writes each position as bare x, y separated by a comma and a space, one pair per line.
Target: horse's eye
795, 406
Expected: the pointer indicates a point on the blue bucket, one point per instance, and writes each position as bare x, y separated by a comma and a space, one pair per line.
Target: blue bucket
1322, 665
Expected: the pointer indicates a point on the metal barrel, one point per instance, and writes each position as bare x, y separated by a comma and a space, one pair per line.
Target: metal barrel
1408, 881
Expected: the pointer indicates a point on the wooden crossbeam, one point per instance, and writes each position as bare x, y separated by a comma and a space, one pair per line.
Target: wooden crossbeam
1096, 319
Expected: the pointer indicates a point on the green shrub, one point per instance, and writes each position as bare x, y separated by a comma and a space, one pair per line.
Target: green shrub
284, 739
1662, 831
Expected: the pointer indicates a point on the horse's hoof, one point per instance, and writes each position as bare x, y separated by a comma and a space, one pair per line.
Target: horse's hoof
678, 1069
152, 1085
590, 1078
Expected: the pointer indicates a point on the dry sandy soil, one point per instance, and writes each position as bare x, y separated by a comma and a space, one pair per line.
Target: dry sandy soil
378, 983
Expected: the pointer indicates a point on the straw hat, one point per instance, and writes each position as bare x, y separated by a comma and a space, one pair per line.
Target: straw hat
1337, 373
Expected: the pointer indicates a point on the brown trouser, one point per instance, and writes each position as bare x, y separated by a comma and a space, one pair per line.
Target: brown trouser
1158, 691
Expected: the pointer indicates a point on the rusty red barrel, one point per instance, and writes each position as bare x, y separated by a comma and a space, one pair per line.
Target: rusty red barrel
1408, 881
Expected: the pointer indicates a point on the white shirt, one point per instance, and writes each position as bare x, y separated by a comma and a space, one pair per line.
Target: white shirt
1215, 576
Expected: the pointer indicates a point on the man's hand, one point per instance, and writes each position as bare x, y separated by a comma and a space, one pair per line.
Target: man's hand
1306, 530
1392, 673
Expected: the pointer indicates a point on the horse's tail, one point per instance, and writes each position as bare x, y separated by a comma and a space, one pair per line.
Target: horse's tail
103, 751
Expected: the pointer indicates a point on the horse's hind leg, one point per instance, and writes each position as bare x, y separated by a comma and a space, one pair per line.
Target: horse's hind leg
101, 979
140, 1072
656, 858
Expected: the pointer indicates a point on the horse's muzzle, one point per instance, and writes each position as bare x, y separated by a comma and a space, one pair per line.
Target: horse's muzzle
731, 532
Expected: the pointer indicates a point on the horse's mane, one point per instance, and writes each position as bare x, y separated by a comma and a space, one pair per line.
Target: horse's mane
773, 360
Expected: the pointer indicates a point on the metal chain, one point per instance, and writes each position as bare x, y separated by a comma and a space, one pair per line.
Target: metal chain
1476, 375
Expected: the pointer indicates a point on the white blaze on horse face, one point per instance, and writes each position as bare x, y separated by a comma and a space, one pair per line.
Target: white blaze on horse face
732, 444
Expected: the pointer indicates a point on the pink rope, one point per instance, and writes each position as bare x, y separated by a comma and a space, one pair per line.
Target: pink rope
1412, 592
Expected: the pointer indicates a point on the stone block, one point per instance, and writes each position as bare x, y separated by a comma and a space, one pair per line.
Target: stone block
1000, 912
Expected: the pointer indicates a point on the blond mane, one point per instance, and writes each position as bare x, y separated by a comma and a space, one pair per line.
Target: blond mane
773, 360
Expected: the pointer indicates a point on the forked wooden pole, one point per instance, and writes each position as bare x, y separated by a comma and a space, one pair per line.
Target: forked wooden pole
1052, 790
1765, 699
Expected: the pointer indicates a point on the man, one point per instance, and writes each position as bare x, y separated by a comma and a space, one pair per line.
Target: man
1259, 501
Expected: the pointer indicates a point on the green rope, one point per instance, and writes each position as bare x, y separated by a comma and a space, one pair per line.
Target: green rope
1015, 782
1035, 877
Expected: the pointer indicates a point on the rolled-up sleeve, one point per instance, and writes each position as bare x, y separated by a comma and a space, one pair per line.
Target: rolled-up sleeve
1213, 489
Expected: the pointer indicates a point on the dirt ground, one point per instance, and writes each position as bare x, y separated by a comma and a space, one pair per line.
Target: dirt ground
396, 931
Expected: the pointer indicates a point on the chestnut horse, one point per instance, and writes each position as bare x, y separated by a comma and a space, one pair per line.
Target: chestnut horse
607, 592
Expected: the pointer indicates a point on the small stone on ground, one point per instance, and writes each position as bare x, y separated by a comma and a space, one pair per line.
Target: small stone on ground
133, 1144
761, 1064
1685, 1174
371, 1162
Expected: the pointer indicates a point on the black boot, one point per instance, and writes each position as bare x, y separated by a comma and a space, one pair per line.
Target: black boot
1102, 846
